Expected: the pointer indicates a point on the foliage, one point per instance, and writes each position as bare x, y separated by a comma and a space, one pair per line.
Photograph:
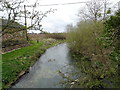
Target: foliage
95, 50
111, 34
82, 38
13, 42
112, 31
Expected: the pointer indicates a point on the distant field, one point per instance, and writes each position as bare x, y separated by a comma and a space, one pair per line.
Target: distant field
39, 37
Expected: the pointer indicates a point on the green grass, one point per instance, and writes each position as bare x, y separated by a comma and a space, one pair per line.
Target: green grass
13, 63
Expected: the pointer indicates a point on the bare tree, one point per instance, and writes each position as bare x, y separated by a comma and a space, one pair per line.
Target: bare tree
94, 10
34, 16
16, 9
10, 11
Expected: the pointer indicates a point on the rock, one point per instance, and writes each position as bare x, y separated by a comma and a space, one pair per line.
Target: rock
49, 60
76, 80
72, 83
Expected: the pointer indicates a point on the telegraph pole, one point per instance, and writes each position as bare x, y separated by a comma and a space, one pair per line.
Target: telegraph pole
25, 22
119, 5
105, 3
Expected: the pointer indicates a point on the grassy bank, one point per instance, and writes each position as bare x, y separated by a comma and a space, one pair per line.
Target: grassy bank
15, 63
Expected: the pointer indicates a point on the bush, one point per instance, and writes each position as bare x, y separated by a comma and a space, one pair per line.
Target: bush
12, 42
83, 38
90, 55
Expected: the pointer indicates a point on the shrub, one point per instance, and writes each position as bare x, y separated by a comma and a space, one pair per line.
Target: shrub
12, 42
90, 55
83, 38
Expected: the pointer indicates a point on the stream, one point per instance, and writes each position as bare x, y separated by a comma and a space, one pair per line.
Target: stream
45, 72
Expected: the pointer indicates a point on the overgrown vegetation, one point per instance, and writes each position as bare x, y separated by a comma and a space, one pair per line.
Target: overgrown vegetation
95, 47
15, 63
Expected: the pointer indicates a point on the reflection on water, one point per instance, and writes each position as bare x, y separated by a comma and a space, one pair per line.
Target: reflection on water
44, 74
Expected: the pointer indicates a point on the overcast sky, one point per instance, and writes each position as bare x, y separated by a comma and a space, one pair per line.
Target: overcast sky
65, 14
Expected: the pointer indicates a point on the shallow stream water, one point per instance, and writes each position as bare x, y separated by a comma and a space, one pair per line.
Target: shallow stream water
45, 72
